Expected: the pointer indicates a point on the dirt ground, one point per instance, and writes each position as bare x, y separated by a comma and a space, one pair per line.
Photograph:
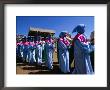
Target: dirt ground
25, 68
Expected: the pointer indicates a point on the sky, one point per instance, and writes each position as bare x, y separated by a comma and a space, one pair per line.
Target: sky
56, 23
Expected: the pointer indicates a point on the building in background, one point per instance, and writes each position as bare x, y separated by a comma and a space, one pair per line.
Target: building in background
33, 32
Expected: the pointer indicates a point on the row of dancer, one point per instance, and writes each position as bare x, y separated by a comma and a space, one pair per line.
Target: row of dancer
32, 51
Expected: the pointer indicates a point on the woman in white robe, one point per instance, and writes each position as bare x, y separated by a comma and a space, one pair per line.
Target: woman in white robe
38, 51
43, 51
18, 52
81, 52
31, 53
49, 47
63, 54
25, 52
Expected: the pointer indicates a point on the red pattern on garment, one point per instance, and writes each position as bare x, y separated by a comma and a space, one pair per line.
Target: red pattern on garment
82, 39
75, 38
32, 43
17, 44
21, 43
26, 43
49, 41
65, 41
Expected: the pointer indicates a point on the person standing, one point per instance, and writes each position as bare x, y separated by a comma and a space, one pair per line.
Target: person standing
71, 51
38, 51
81, 52
31, 51
25, 50
19, 51
49, 47
63, 45
43, 50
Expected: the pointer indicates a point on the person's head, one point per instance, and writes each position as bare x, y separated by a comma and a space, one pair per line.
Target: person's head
63, 34
24, 39
79, 29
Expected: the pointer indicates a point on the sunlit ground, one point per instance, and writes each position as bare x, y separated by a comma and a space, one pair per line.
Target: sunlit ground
25, 68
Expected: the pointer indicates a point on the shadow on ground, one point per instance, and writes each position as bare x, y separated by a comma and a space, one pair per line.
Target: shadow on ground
35, 69
45, 70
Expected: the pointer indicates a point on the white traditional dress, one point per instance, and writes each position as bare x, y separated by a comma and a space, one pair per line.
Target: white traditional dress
82, 55
18, 52
20, 48
81, 52
31, 53
49, 48
38, 52
43, 51
63, 56
25, 51
17, 49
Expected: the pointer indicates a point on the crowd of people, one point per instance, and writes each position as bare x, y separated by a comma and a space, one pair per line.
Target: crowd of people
78, 49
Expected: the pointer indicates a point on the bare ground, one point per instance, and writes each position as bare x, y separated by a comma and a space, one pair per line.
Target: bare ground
25, 68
